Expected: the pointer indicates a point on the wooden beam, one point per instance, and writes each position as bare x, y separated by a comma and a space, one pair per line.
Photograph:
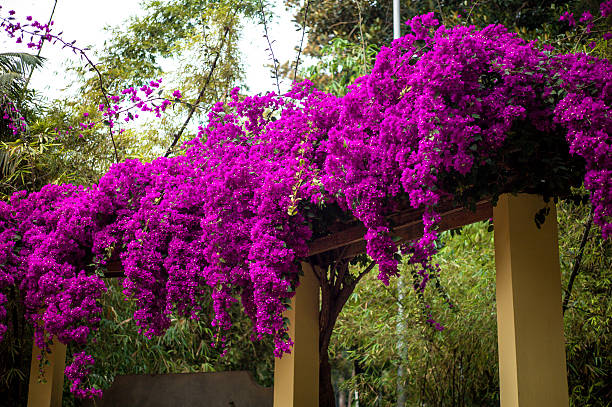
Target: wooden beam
410, 227
450, 219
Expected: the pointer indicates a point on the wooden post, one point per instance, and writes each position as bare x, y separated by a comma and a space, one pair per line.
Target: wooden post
296, 376
532, 370
49, 392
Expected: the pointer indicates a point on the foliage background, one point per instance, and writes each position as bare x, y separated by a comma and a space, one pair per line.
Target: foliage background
456, 367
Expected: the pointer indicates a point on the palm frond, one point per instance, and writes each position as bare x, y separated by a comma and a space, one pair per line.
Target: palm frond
10, 82
20, 62
14, 69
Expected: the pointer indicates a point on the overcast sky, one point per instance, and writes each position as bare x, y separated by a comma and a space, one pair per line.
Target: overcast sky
84, 21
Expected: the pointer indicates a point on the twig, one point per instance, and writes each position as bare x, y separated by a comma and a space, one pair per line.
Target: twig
471, 10
178, 134
363, 47
576, 268
441, 12
274, 60
585, 30
108, 103
93, 66
297, 61
364, 272
70, 45
342, 23
25, 86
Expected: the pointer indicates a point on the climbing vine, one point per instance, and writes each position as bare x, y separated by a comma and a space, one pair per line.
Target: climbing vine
447, 114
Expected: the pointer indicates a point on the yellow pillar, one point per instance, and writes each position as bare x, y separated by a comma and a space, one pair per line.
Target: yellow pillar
532, 370
296, 376
47, 393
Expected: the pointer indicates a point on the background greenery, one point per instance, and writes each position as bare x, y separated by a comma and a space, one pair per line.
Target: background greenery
382, 356
458, 366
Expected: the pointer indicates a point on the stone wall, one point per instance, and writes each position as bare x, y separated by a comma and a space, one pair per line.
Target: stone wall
220, 389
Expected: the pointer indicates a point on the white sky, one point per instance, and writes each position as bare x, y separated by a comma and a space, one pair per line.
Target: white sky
84, 21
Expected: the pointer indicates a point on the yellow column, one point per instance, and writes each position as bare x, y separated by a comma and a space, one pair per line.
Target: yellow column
532, 371
49, 392
296, 376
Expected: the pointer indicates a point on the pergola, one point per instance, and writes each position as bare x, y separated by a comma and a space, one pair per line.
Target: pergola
532, 365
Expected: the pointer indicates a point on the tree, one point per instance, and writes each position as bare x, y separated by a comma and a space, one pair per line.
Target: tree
330, 19
201, 36
16, 103
15, 68
17, 171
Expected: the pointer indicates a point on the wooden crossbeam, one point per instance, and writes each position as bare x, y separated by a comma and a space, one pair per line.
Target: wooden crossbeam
113, 269
408, 225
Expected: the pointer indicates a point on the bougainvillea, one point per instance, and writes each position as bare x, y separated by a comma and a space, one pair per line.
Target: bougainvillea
455, 114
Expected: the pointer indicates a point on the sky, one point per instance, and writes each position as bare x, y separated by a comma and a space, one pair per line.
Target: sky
84, 21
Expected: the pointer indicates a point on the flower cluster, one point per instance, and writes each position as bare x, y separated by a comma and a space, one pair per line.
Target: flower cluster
35, 30
125, 107
77, 373
587, 22
569, 18
606, 8
445, 115
13, 117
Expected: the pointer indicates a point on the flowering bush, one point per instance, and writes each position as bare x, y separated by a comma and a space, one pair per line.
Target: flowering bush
446, 114
589, 29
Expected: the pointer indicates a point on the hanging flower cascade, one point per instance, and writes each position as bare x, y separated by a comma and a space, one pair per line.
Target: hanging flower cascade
442, 116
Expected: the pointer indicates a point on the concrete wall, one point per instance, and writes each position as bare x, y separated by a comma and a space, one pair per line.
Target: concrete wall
220, 389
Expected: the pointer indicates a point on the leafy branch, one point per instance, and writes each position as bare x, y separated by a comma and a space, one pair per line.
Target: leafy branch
267, 37
297, 61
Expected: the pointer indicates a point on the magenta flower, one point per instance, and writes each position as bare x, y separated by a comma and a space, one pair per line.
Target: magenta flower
606, 8
569, 18
586, 17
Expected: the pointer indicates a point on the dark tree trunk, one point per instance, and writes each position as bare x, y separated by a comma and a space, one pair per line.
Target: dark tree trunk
337, 284
326, 389
326, 326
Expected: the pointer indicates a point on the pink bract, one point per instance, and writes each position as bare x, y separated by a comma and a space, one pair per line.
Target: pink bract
228, 218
